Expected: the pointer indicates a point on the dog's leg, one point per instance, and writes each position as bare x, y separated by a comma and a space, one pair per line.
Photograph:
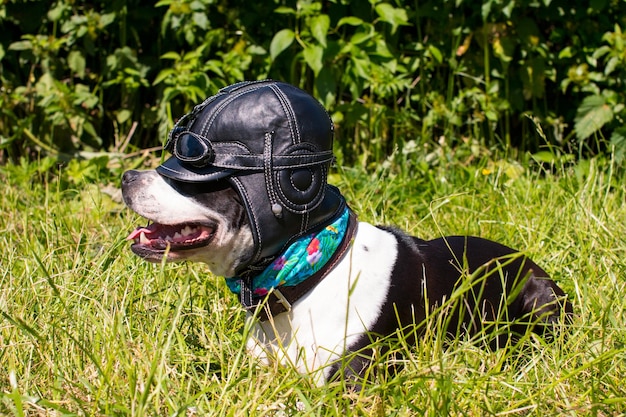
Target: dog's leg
354, 369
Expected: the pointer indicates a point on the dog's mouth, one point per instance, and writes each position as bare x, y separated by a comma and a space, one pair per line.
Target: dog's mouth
161, 237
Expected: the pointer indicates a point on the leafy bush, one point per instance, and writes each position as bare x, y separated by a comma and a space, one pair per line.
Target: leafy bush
102, 76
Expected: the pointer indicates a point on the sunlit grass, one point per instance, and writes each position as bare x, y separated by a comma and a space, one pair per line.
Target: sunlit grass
86, 328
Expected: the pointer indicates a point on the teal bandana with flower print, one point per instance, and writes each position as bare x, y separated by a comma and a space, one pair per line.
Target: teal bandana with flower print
302, 259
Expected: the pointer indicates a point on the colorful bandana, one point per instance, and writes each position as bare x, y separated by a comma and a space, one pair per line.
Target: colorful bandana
302, 259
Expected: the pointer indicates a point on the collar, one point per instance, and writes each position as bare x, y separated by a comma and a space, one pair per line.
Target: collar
297, 270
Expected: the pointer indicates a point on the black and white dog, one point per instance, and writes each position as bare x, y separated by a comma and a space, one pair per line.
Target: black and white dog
247, 181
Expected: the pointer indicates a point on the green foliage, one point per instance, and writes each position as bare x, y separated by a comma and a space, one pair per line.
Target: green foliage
102, 76
606, 103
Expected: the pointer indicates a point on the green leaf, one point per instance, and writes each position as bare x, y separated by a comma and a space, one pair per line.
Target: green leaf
56, 12
592, 114
392, 15
619, 41
566, 53
361, 67
88, 127
361, 37
123, 115
435, 53
313, 56
326, 87
84, 98
601, 51
350, 20
281, 41
611, 64
77, 63
485, 10
383, 50
256, 50
21, 46
618, 140
545, 156
107, 18
171, 55
508, 9
285, 10
163, 75
169, 93
491, 115
200, 20
215, 66
319, 28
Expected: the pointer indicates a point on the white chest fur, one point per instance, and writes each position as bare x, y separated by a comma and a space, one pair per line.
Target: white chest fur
329, 319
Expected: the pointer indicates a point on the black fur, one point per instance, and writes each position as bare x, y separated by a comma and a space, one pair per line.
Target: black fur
506, 287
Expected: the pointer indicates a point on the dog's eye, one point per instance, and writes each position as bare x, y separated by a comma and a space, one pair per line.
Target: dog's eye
195, 188
213, 186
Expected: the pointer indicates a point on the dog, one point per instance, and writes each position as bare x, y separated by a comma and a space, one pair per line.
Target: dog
246, 193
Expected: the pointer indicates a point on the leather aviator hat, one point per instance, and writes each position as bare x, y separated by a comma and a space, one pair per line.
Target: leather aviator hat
273, 143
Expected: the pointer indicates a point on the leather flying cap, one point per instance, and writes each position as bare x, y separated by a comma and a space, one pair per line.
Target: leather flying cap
273, 143
226, 132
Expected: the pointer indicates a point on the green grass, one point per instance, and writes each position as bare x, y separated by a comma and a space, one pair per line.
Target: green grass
86, 328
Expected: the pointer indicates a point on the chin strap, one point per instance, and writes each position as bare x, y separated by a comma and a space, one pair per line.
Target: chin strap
275, 293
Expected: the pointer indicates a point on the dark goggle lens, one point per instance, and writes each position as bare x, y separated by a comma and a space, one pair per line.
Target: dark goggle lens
192, 149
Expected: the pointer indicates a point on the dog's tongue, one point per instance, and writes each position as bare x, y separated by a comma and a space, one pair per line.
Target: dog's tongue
157, 234
147, 230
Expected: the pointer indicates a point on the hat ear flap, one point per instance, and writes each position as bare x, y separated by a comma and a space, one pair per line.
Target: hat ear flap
301, 189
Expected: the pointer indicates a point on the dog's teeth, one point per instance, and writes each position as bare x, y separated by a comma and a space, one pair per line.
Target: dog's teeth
177, 235
143, 239
168, 238
188, 230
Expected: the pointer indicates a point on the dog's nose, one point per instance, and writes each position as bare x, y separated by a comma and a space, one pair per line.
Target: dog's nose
129, 176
